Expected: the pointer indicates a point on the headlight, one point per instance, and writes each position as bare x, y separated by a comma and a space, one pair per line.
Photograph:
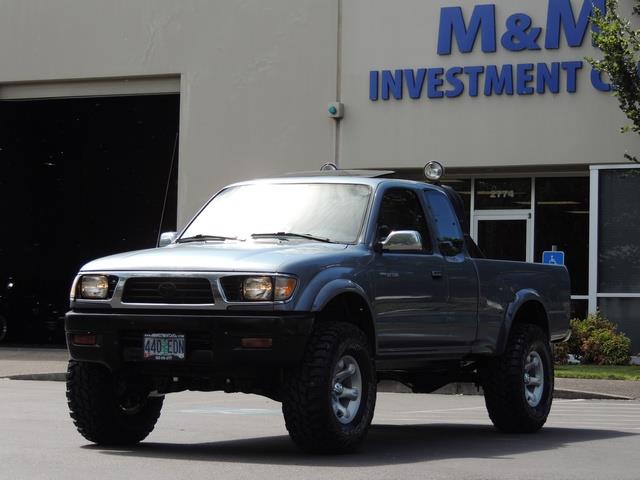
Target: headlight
94, 287
257, 289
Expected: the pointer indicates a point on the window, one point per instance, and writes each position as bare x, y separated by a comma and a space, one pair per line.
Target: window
624, 313
503, 194
463, 187
401, 210
562, 220
448, 232
619, 231
332, 211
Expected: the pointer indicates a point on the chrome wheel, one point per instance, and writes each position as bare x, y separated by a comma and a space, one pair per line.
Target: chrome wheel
533, 379
346, 389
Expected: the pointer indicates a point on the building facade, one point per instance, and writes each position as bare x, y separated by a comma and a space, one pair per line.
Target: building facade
499, 92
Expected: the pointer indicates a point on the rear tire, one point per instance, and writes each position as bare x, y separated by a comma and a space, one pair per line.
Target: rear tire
329, 400
100, 414
518, 386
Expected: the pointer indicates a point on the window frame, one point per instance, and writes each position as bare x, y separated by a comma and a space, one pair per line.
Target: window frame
431, 247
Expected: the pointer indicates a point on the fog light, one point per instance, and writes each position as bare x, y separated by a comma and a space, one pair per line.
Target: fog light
83, 339
256, 342
433, 171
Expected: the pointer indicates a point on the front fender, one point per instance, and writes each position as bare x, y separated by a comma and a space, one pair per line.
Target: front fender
335, 288
326, 285
521, 297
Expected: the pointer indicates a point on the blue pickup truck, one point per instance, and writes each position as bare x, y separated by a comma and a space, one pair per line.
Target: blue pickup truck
310, 289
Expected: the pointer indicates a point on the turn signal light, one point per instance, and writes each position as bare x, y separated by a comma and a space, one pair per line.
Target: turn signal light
284, 288
83, 339
256, 342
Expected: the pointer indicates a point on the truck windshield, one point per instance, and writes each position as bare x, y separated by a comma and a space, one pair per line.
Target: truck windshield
287, 211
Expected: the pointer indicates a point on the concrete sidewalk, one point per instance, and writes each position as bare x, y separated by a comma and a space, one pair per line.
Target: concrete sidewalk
33, 363
26, 363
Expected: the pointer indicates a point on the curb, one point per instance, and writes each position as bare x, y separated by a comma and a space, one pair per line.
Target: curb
51, 377
471, 389
584, 395
392, 387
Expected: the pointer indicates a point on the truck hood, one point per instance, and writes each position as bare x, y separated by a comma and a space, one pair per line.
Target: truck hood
278, 256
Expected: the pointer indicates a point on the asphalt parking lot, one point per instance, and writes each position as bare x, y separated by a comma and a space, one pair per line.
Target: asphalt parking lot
217, 435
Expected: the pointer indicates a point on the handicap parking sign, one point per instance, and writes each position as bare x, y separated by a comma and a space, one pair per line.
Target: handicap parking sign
553, 257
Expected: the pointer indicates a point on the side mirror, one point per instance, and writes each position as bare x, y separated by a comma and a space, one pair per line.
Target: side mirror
402, 240
166, 238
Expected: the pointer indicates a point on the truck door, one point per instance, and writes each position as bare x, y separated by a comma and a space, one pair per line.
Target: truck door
462, 301
410, 286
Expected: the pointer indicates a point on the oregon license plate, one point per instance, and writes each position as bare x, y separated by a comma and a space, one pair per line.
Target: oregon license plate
163, 346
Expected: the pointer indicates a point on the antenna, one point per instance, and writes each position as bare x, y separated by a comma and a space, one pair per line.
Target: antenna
166, 190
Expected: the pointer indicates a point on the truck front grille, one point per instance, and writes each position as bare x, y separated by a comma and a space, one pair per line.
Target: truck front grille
167, 290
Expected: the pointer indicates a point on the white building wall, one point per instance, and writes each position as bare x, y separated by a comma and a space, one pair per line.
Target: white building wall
255, 76
549, 129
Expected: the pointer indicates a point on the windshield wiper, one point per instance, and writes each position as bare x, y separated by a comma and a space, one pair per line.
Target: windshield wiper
204, 238
290, 234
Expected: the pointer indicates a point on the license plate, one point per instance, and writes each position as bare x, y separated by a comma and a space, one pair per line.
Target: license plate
163, 346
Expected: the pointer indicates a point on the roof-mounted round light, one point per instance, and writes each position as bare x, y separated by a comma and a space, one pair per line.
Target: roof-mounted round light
433, 171
328, 167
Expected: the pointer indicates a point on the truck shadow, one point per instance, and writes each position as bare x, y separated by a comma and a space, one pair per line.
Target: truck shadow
385, 445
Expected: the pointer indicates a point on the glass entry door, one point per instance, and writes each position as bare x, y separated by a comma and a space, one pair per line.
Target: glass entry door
504, 236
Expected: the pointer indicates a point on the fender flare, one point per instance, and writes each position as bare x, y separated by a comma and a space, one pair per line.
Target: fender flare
332, 289
521, 297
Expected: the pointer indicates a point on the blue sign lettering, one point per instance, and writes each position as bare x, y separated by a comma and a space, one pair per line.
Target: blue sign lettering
474, 79
373, 85
519, 34
560, 16
415, 81
520, 79
483, 19
596, 81
435, 82
571, 68
391, 82
457, 86
548, 78
524, 78
498, 82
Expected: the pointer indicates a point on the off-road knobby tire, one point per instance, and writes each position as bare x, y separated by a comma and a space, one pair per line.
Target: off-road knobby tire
95, 410
306, 404
502, 379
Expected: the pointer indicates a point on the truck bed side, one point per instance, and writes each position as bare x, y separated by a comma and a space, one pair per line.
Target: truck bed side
505, 286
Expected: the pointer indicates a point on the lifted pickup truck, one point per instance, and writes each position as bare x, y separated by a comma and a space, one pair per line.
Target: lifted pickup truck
310, 290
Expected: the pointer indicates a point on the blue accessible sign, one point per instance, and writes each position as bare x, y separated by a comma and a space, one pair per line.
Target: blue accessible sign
553, 257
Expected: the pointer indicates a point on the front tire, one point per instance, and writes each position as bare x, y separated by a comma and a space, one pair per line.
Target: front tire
329, 400
101, 414
518, 386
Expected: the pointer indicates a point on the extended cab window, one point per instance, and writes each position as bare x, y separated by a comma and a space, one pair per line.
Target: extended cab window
401, 210
447, 227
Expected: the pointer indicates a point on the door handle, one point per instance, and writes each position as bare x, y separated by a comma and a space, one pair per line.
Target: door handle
436, 273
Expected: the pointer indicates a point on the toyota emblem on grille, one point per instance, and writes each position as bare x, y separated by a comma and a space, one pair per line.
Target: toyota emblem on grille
167, 290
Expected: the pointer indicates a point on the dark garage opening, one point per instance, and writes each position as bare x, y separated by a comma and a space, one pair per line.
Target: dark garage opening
80, 178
